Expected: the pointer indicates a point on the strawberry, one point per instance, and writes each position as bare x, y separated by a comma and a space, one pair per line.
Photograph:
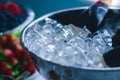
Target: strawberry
12, 41
12, 60
4, 39
9, 72
24, 55
13, 8
18, 49
9, 37
3, 66
8, 52
16, 41
31, 67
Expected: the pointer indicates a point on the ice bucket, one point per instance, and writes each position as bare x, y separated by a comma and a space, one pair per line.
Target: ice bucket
53, 71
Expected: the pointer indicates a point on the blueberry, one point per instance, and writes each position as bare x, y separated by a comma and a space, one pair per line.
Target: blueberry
20, 18
9, 21
2, 16
8, 14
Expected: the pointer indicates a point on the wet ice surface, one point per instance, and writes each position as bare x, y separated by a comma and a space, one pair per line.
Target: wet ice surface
68, 45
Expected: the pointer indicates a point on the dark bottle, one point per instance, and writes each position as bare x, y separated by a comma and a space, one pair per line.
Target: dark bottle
92, 17
112, 58
113, 22
116, 39
112, 27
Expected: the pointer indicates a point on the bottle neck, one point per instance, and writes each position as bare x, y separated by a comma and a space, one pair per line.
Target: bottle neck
99, 10
96, 14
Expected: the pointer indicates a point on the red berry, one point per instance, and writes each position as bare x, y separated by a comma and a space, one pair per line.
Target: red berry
9, 72
16, 42
12, 41
19, 51
13, 44
12, 60
3, 66
24, 55
4, 40
8, 52
31, 67
8, 36
19, 47
13, 8
4, 69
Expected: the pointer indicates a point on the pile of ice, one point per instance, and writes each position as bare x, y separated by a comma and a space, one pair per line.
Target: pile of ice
68, 45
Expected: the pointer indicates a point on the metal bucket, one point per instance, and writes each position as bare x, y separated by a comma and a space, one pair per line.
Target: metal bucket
53, 71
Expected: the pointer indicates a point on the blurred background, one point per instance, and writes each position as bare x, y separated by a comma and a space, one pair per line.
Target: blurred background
42, 7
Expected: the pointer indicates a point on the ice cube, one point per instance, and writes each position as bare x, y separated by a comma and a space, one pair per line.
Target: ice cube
61, 44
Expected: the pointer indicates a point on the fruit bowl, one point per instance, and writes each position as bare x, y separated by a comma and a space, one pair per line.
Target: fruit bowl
30, 17
17, 18
14, 60
54, 71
